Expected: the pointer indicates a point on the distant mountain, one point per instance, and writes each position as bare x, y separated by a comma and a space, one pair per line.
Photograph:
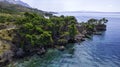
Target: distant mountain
17, 6
86, 12
6, 7
19, 2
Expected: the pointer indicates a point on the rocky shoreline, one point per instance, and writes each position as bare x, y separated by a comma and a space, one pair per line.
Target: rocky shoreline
85, 30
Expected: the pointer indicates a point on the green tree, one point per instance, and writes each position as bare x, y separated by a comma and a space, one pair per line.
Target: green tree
46, 38
72, 31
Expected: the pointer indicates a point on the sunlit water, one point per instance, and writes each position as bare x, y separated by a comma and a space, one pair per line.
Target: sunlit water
100, 51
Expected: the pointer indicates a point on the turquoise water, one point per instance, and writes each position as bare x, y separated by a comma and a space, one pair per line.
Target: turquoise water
100, 51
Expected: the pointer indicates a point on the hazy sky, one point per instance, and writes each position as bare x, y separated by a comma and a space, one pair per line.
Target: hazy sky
76, 5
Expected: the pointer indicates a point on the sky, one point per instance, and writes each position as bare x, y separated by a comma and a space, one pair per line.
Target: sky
75, 5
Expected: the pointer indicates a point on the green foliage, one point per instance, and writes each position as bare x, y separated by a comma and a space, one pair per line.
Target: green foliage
45, 38
38, 30
2, 19
33, 29
69, 18
62, 41
28, 26
96, 21
103, 21
5, 18
92, 21
72, 31
72, 21
93, 25
65, 34
29, 38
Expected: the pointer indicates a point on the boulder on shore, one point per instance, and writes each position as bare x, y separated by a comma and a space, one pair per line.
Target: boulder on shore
101, 27
79, 37
61, 48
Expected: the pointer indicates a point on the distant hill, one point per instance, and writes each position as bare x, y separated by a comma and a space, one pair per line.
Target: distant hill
6, 7
19, 2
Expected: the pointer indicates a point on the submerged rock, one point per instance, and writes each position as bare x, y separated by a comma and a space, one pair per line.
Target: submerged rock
97, 33
41, 51
62, 48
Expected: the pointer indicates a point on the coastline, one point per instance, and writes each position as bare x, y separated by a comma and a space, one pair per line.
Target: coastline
85, 30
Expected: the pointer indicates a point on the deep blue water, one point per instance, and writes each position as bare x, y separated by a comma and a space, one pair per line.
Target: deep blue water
100, 51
